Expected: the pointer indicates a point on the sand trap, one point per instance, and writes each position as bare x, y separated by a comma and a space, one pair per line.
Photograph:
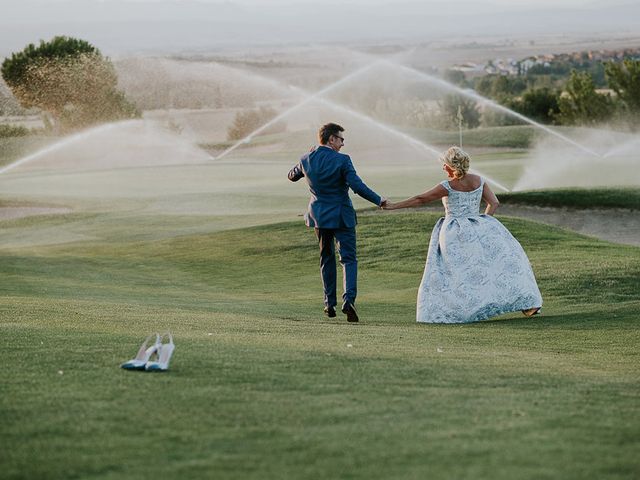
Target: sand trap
614, 225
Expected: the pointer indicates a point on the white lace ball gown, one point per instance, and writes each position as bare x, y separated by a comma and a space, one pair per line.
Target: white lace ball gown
475, 268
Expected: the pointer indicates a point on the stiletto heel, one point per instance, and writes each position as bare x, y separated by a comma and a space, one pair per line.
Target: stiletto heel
164, 356
144, 354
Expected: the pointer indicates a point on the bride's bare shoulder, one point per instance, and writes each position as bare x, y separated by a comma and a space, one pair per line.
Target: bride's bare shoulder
473, 180
473, 177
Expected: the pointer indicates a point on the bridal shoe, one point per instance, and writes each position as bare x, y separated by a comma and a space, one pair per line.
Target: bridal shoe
164, 356
531, 311
144, 354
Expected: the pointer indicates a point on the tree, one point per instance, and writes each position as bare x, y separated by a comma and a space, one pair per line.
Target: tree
540, 104
581, 104
70, 80
456, 77
624, 79
452, 104
499, 87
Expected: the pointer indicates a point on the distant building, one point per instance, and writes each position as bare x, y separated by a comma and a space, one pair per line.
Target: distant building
526, 64
521, 67
468, 67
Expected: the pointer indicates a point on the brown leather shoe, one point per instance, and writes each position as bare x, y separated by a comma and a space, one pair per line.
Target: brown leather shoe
349, 310
531, 311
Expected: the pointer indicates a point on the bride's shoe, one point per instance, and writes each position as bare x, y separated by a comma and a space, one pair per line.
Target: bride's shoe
164, 356
144, 354
531, 311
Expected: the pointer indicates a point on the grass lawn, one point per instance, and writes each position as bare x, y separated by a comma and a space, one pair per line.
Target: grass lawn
516, 136
263, 386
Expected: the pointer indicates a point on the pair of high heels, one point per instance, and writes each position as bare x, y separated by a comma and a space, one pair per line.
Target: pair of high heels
162, 352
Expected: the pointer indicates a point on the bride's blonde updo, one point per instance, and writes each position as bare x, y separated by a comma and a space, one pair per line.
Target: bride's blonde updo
458, 160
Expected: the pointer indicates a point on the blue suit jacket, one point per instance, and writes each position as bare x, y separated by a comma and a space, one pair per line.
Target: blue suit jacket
330, 174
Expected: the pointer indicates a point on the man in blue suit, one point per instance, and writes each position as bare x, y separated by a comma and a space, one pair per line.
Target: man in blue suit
330, 174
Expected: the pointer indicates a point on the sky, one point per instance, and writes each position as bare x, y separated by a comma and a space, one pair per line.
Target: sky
170, 26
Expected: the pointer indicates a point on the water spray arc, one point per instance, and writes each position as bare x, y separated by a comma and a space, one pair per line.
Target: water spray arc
626, 147
318, 97
66, 142
479, 98
413, 141
375, 123
309, 98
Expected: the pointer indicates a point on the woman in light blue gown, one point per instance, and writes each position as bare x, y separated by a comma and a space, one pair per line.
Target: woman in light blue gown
475, 268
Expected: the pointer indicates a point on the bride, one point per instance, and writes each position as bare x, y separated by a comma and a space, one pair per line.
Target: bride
475, 268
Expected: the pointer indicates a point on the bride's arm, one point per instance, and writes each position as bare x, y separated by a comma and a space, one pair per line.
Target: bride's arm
429, 196
491, 200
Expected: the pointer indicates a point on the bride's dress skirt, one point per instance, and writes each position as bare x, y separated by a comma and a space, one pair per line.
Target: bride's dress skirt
475, 270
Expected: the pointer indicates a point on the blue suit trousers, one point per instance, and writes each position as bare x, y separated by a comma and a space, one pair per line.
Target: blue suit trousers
346, 241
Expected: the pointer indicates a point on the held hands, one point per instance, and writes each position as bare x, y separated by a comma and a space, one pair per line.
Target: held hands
386, 204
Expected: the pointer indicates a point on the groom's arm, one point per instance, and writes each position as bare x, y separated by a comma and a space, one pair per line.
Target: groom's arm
358, 186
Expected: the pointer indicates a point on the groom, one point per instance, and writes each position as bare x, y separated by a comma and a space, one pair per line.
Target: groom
330, 174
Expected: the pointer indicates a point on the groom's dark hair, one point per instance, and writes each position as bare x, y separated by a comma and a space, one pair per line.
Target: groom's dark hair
327, 130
